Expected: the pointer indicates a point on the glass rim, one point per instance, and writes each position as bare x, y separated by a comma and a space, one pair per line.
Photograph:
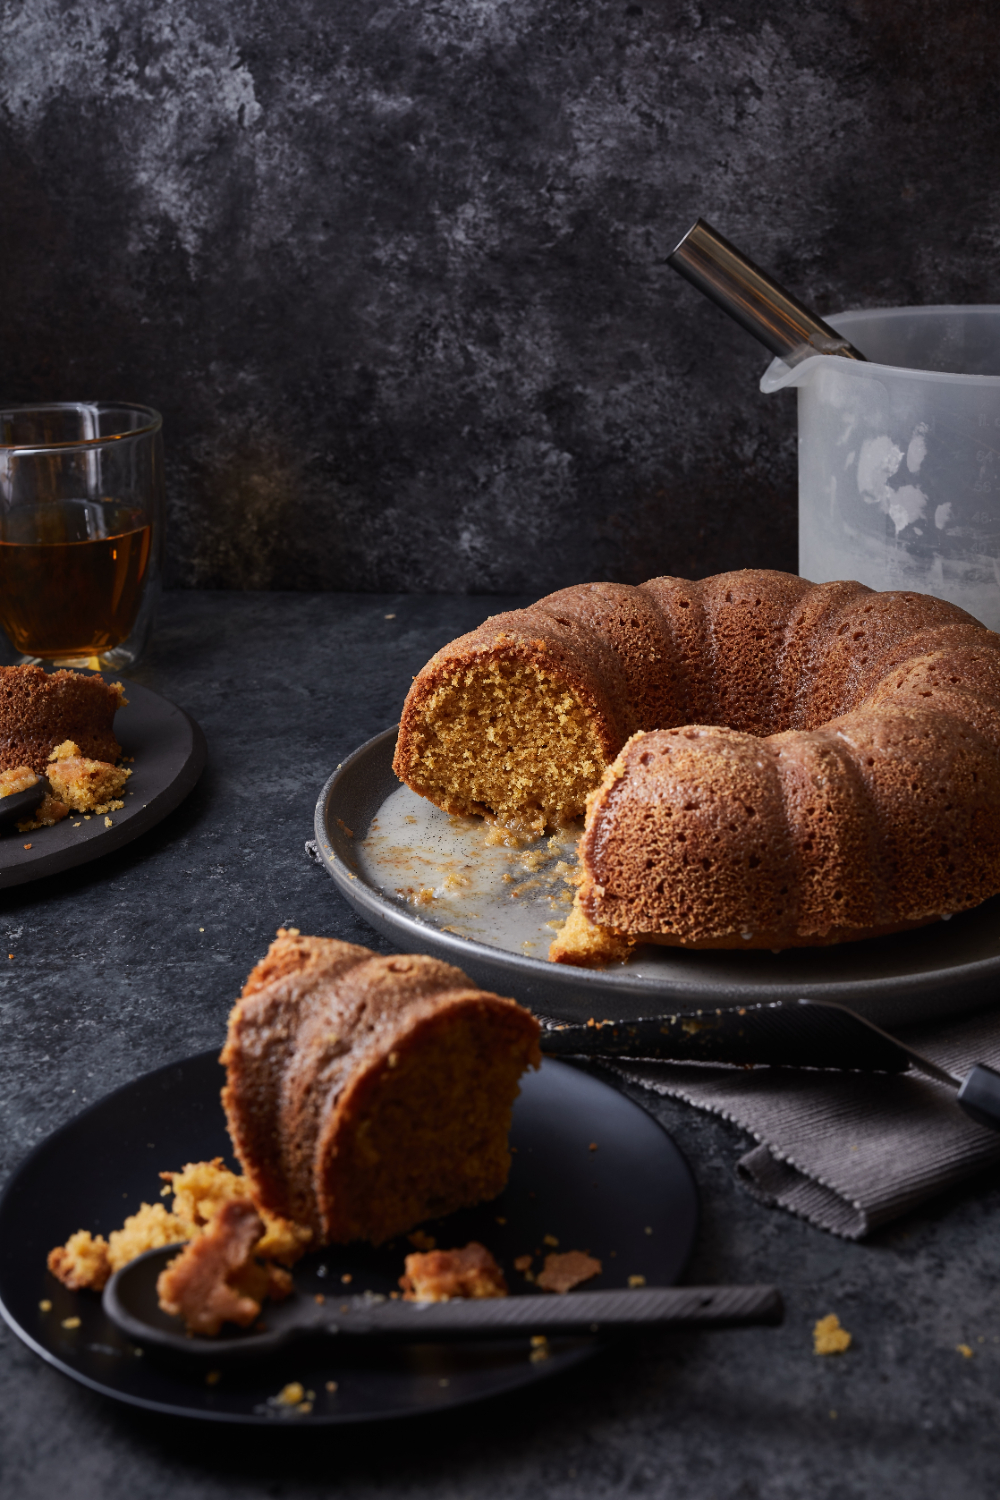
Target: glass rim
154, 424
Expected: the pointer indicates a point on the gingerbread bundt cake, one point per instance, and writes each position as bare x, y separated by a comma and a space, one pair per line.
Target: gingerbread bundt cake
768, 762
40, 710
365, 1094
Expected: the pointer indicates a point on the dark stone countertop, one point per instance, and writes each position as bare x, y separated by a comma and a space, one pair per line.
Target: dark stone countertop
112, 976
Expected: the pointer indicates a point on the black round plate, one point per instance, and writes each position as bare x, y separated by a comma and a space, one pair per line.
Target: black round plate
631, 1202
168, 755
939, 971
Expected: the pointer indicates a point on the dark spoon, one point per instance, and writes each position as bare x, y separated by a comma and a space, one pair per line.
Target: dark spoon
784, 1033
130, 1302
20, 805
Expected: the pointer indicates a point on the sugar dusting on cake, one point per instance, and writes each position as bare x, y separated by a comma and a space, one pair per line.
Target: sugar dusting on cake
469, 876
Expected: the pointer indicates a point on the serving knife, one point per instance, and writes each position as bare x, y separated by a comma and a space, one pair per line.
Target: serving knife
788, 1034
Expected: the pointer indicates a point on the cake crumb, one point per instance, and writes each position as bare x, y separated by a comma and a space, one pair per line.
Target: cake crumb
523, 1263
213, 1377
562, 1272
292, 1394
550, 1239
347, 1278
636, 1281
443, 1274
71, 1322
216, 1279
45, 1305
331, 1386
421, 1241
964, 1350
108, 823
829, 1337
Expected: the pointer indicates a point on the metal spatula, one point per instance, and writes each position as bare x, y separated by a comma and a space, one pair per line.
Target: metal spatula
789, 1034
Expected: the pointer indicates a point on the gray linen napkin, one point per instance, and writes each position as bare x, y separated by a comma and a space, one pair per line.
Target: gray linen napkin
847, 1151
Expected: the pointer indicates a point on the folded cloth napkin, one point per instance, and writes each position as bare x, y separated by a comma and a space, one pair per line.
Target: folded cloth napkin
847, 1151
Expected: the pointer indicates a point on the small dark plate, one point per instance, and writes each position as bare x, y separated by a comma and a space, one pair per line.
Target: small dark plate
168, 755
940, 971
632, 1203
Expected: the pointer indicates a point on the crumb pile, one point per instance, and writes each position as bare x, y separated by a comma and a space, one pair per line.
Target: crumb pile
216, 1279
200, 1191
438, 1275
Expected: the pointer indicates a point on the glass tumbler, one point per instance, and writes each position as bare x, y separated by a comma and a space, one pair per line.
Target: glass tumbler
81, 521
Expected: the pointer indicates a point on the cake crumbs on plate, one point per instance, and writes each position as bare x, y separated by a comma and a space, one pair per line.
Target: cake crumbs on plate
332, 1386
45, 1305
550, 1239
442, 1274
292, 1394
562, 1272
829, 1337
965, 1350
71, 1322
636, 1281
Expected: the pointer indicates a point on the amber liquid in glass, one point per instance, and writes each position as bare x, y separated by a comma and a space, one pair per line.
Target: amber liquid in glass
71, 576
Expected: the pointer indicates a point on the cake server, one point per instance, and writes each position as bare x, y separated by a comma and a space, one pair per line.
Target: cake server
788, 1034
785, 325
130, 1301
19, 806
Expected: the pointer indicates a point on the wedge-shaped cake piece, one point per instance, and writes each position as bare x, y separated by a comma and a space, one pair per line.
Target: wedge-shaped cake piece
365, 1094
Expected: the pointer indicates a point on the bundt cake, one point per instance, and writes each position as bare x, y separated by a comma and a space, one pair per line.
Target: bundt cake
39, 710
764, 762
366, 1094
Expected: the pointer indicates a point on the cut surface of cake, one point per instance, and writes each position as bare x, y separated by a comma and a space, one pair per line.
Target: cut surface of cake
763, 762
366, 1094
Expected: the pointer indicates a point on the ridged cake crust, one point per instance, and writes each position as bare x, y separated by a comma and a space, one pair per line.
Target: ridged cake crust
776, 762
365, 1094
40, 710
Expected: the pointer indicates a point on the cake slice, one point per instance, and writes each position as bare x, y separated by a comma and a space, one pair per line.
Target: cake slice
365, 1094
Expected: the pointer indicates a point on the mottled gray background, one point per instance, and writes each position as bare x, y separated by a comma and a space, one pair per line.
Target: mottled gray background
391, 268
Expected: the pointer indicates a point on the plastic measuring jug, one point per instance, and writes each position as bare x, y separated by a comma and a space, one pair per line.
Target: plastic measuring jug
899, 456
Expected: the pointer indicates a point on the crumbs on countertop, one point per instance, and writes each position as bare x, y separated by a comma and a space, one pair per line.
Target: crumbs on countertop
829, 1337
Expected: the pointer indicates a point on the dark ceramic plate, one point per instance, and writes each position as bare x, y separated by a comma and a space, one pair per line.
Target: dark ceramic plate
168, 751
632, 1203
939, 971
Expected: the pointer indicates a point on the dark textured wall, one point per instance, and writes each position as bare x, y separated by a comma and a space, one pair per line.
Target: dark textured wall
390, 268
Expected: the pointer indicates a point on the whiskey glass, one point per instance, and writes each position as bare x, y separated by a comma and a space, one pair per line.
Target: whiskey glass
81, 522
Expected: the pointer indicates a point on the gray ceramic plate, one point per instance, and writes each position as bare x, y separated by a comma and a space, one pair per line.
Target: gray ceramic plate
168, 756
434, 884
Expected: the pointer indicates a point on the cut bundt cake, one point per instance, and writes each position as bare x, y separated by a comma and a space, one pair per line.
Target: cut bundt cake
763, 761
365, 1094
39, 710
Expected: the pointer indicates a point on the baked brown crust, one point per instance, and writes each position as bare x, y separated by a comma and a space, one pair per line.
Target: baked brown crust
39, 710
366, 1093
784, 763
